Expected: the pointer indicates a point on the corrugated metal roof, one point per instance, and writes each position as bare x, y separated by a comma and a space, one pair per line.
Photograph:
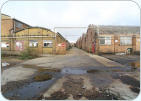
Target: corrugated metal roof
119, 29
34, 27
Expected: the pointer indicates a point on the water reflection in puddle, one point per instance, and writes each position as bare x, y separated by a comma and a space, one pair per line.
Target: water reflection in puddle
73, 71
29, 91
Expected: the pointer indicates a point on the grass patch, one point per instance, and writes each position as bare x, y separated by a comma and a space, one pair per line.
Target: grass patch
28, 54
8, 56
42, 77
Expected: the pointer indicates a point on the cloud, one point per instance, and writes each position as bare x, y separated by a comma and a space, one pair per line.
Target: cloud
52, 14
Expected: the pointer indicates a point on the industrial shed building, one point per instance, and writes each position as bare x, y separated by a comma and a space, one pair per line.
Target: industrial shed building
11, 25
41, 40
111, 39
83, 41
8, 28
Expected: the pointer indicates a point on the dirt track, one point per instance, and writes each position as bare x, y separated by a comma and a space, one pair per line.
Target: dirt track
71, 79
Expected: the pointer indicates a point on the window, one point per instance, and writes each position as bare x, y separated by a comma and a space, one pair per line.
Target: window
47, 43
33, 43
105, 40
4, 44
18, 24
125, 40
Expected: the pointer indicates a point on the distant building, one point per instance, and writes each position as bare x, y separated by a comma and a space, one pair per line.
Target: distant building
17, 37
110, 39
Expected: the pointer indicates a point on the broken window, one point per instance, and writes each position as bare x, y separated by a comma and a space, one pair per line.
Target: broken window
33, 43
125, 40
47, 43
19, 45
18, 24
105, 40
4, 44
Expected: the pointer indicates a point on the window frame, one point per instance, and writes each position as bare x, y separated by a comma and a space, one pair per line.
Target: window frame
104, 38
47, 41
33, 43
18, 24
125, 38
4, 42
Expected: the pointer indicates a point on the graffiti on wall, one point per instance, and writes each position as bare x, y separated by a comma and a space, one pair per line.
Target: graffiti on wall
61, 45
19, 45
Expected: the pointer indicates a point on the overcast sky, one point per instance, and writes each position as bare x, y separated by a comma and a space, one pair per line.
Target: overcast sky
52, 14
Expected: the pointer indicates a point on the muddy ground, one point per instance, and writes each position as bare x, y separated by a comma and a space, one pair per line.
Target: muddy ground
124, 59
77, 75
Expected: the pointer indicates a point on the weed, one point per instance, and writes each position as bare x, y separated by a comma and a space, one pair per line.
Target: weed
28, 54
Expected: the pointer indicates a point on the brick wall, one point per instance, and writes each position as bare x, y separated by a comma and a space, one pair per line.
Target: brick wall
6, 26
115, 46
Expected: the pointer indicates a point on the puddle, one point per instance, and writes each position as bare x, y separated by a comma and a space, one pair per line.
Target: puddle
98, 71
28, 91
73, 71
93, 71
42, 77
132, 82
42, 80
32, 90
121, 70
135, 89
